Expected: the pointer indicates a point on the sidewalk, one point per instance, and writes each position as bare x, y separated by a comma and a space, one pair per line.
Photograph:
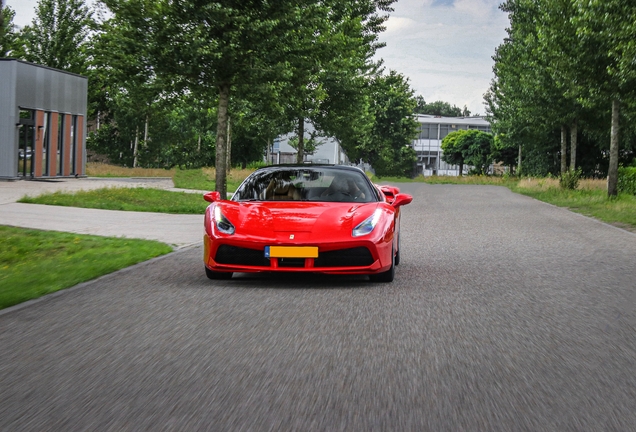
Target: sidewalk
176, 230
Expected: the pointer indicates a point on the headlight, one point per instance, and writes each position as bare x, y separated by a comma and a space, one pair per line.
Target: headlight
222, 224
366, 226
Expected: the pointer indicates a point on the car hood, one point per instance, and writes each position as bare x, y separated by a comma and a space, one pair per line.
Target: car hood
303, 220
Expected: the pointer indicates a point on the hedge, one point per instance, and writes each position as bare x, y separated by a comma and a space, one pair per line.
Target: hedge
627, 180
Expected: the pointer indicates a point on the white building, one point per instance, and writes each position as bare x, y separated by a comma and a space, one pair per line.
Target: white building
428, 143
328, 151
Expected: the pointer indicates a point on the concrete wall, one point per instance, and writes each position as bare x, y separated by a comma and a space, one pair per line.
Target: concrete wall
28, 86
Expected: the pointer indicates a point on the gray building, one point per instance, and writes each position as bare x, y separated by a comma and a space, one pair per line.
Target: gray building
428, 143
42, 121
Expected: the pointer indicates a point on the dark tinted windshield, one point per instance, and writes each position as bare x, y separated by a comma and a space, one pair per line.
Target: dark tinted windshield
306, 184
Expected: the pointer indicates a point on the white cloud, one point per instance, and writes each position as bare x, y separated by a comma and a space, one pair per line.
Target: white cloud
446, 48
396, 24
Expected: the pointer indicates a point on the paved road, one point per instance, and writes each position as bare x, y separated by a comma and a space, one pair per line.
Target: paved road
506, 314
175, 230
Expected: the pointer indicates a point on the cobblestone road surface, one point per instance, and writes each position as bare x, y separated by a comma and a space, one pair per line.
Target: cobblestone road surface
506, 314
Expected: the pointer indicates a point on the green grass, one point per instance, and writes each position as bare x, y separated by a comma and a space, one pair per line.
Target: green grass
34, 263
193, 179
129, 199
204, 178
620, 211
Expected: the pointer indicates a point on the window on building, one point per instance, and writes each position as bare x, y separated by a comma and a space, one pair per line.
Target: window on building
46, 143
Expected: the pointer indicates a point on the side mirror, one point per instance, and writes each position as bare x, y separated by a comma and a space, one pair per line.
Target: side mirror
401, 199
212, 196
389, 192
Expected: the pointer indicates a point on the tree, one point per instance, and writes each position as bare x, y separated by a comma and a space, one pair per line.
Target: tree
440, 108
326, 85
388, 146
7, 30
210, 48
453, 152
606, 31
477, 151
58, 35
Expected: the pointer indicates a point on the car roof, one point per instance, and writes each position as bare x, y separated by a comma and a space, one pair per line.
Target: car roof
310, 166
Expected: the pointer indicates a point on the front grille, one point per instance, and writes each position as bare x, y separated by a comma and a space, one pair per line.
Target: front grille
353, 257
227, 254
291, 262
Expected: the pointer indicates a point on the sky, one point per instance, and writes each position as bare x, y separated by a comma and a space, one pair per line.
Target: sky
444, 47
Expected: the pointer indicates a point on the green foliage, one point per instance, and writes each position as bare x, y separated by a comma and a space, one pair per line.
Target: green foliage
7, 31
570, 179
128, 199
477, 151
440, 108
58, 35
470, 147
563, 62
453, 150
388, 145
34, 263
627, 180
505, 150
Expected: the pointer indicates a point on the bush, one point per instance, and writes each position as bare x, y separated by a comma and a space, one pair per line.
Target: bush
627, 180
570, 179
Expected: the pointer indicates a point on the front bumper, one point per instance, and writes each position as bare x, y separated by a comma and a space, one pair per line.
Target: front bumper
359, 257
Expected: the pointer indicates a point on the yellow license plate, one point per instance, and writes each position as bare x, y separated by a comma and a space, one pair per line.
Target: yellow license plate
291, 252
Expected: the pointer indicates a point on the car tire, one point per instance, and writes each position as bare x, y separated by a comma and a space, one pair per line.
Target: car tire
397, 255
386, 276
217, 275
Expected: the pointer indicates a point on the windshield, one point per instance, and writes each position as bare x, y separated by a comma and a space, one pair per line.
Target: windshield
306, 184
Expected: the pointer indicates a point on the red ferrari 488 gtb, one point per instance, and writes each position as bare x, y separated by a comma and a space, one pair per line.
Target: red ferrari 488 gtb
305, 218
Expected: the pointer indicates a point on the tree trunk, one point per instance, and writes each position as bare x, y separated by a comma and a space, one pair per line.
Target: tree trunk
300, 156
564, 150
461, 168
229, 144
135, 148
146, 132
573, 133
612, 174
519, 162
268, 152
221, 140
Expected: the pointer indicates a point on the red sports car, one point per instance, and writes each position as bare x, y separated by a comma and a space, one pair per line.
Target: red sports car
305, 218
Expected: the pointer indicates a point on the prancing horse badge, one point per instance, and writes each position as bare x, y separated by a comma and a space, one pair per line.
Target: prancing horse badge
291, 236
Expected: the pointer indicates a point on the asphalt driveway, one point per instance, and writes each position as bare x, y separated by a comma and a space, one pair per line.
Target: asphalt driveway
506, 314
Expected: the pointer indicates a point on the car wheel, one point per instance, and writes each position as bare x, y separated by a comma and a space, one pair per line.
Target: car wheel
397, 255
386, 276
217, 275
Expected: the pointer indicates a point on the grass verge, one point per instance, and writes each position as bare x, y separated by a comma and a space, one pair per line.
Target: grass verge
619, 211
204, 178
97, 169
197, 179
35, 263
129, 199
590, 199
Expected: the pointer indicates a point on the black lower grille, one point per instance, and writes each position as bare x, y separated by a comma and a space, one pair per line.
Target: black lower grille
291, 262
353, 257
227, 254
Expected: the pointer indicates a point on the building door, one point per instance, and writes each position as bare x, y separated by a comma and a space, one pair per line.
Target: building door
26, 143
